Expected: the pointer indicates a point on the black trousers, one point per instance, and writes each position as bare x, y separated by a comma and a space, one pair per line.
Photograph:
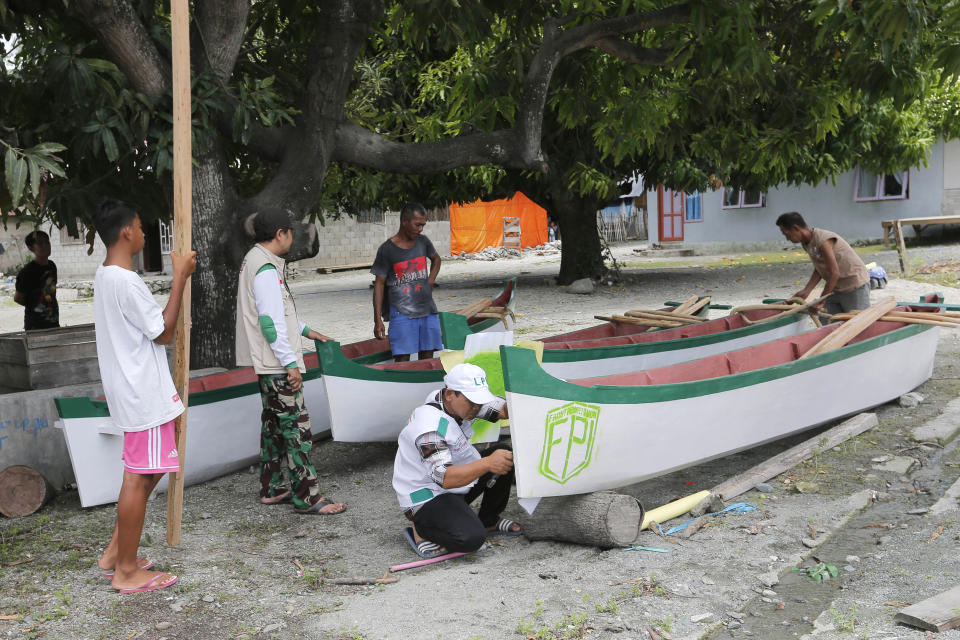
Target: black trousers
449, 521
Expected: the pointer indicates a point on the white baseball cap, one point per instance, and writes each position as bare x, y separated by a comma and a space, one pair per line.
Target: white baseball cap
471, 381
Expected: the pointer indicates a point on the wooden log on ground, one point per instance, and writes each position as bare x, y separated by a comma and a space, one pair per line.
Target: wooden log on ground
939, 613
851, 328
23, 490
790, 458
603, 519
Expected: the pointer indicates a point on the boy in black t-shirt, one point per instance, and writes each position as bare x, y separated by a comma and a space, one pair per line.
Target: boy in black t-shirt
36, 287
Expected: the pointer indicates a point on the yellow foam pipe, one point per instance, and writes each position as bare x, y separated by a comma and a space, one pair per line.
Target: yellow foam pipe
673, 509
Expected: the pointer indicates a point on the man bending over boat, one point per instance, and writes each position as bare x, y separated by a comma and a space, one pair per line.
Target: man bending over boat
437, 472
268, 337
834, 261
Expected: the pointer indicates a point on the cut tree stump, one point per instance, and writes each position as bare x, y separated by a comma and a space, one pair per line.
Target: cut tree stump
23, 490
603, 519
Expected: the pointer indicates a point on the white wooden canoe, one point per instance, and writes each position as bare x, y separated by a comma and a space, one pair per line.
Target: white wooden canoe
223, 430
401, 387
597, 433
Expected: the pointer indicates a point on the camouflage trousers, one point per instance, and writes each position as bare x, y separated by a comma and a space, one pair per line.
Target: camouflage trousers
285, 437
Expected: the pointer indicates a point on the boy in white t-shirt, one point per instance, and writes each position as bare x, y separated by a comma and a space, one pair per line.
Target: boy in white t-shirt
131, 331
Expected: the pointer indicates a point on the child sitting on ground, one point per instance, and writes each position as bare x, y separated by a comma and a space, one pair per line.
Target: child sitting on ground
131, 331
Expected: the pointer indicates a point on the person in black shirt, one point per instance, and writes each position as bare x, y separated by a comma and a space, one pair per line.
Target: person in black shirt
36, 287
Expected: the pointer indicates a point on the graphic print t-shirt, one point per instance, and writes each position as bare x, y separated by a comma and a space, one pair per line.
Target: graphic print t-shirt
407, 272
38, 283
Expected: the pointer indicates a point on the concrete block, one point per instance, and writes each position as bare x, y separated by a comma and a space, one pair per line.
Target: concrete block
27, 433
949, 502
941, 429
897, 464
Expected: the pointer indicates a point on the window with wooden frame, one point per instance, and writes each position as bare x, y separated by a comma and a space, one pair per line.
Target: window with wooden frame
739, 199
870, 186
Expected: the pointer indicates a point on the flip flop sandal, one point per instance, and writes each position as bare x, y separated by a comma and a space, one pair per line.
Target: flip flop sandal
505, 528
142, 563
152, 584
286, 496
315, 509
425, 548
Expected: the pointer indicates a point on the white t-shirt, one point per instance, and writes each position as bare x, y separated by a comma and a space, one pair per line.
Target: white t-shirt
133, 368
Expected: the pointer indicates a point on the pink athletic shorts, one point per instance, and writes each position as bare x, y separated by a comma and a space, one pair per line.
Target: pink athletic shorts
152, 450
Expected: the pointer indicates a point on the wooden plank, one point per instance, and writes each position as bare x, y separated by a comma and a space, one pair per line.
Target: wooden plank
791, 457
344, 267
182, 226
939, 613
13, 351
851, 328
59, 374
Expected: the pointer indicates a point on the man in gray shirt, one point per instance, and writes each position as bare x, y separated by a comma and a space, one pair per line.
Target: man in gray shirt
401, 271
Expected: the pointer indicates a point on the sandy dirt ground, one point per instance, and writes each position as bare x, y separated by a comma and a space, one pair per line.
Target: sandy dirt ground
238, 560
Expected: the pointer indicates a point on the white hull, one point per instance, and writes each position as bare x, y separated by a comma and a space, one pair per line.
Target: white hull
633, 441
355, 418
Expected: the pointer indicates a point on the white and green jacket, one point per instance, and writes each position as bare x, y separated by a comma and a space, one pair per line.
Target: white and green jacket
268, 331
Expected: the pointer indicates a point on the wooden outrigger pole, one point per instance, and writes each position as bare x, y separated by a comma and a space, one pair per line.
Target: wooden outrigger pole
182, 222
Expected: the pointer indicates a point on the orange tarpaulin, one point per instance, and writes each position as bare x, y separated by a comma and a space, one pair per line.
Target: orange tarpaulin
478, 225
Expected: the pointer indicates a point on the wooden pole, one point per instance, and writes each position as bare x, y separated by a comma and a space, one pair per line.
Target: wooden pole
901, 246
182, 222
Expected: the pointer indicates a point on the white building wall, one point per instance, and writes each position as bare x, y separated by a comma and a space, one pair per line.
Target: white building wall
826, 205
951, 179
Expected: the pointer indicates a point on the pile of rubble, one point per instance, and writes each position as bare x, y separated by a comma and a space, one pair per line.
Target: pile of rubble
496, 253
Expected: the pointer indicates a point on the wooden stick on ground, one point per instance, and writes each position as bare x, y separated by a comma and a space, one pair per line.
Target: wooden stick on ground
182, 222
776, 465
851, 328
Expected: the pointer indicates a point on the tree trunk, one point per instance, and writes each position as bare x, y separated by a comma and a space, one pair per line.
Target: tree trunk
580, 252
220, 243
603, 519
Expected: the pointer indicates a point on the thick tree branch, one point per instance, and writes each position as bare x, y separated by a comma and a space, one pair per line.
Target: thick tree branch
309, 147
362, 147
222, 26
635, 54
518, 147
120, 30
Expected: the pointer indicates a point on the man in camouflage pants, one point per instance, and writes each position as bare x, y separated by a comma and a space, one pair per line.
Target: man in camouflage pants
285, 433
268, 338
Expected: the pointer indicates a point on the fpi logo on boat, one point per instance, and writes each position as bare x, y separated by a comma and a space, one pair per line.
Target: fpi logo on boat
570, 432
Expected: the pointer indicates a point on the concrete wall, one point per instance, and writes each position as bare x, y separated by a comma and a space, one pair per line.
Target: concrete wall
347, 241
826, 206
28, 435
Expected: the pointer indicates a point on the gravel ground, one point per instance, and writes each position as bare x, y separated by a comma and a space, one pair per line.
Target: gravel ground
238, 559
